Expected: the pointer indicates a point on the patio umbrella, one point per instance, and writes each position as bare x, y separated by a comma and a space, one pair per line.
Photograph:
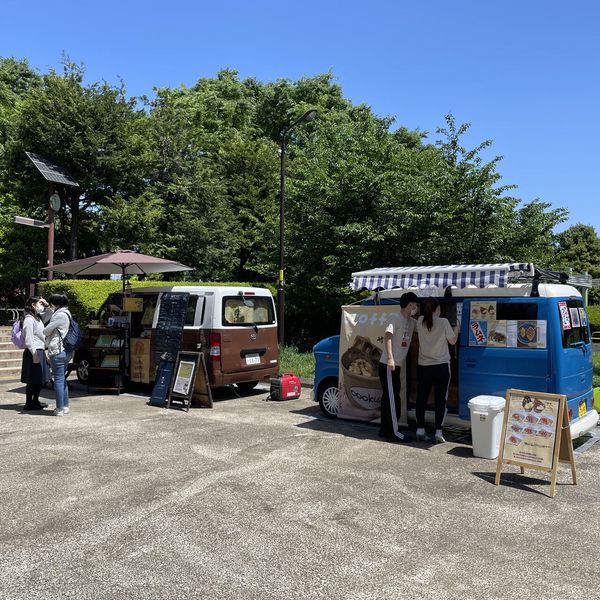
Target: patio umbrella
125, 262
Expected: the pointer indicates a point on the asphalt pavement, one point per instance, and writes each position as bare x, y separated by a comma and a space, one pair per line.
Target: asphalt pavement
255, 499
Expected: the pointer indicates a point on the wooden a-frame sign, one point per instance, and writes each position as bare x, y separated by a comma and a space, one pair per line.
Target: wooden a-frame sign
536, 434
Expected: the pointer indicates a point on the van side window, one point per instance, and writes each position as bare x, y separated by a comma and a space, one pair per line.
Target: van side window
517, 311
257, 310
190, 313
579, 329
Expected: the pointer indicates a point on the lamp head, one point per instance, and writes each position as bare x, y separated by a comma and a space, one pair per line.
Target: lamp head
309, 115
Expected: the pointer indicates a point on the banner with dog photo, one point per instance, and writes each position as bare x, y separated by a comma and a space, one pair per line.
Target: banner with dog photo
361, 345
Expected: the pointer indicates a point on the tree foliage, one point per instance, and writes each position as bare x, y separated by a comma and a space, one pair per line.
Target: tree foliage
193, 174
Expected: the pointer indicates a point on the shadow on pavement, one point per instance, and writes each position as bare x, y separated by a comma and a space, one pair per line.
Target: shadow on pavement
515, 480
370, 431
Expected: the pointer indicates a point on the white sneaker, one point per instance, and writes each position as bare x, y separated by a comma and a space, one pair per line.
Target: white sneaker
58, 413
66, 410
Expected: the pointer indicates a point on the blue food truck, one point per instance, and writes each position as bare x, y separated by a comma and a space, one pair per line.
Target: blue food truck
520, 327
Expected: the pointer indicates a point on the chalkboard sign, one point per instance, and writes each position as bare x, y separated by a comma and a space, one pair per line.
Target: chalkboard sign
184, 379
162, 382
536, 434
169, 325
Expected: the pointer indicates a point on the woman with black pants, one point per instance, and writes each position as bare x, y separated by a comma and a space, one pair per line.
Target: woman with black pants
435, 333
34, 369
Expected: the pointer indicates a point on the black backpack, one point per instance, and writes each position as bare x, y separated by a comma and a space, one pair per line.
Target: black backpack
72, 339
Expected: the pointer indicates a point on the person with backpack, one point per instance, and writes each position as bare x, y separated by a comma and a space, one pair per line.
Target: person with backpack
56, 331
34, 368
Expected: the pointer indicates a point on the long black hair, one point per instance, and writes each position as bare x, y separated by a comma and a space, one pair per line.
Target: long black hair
430, 306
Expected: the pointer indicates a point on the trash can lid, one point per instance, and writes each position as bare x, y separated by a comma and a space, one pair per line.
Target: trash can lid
489, 402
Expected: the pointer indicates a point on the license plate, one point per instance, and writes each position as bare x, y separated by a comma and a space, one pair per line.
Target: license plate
252, 359
582, 409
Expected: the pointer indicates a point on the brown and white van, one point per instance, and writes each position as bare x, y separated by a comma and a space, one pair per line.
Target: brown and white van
234, 327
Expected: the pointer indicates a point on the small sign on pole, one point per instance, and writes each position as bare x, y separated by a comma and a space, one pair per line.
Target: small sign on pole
31, 222
536, 434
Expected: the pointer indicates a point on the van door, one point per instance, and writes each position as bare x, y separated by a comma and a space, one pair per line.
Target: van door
248, 333
192, 340
503, 344
573, 369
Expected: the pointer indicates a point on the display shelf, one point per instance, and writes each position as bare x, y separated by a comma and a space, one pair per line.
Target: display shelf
108, 348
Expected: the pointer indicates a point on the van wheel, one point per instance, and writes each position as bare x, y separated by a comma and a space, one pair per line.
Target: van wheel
83, 369
329, 397
246, 386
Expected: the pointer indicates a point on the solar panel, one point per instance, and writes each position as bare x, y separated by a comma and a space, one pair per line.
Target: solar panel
51, 171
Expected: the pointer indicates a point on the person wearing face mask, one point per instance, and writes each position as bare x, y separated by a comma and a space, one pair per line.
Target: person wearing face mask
34, 368
435, 333
396, 342
55, 331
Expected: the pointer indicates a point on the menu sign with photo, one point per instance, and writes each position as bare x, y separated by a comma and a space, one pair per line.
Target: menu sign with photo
531, 334
536, 434
531, 429
485, 311
508, 334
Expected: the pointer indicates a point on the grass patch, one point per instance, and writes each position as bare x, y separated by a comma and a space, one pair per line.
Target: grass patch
299, 363
596, 362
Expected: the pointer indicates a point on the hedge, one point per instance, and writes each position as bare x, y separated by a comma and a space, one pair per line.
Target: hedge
594, 317
87, 295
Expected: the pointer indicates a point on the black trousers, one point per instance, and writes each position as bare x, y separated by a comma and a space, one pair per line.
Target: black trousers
438, 377
390, 400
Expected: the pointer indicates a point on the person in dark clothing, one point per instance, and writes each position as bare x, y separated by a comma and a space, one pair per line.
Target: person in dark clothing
34, 368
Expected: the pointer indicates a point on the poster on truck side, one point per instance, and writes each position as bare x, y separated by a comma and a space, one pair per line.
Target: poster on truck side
361, 345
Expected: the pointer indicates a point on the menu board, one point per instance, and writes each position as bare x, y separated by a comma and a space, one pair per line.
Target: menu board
508, 334
483, 311
536, 434
531, 429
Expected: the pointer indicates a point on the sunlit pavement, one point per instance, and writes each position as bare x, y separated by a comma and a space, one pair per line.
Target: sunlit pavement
255, 499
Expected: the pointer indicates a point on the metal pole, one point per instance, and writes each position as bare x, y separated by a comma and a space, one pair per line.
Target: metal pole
50, 232
281, 284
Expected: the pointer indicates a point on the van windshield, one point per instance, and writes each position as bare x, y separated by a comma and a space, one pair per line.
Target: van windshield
574, 322
248, 310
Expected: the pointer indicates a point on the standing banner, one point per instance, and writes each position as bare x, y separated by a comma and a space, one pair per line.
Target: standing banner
361, 345
536, 434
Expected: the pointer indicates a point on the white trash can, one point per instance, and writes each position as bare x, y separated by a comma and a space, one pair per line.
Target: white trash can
487, 413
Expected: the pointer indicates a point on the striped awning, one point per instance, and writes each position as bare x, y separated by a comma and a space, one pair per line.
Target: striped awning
439, 276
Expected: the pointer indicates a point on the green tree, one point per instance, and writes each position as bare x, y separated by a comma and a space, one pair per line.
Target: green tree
578, 248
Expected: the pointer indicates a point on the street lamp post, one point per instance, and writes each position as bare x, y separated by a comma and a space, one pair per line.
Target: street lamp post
309, 115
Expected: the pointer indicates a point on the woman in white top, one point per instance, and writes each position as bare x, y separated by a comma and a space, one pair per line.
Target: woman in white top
435, 333
396, 342
34, 369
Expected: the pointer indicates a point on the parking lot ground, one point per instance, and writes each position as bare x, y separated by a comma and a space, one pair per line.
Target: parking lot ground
268, 500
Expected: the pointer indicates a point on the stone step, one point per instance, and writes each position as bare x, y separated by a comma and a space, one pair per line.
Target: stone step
10, 372
10, 353
10, 363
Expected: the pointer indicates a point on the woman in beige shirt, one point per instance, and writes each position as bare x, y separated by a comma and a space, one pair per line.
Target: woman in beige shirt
435, 333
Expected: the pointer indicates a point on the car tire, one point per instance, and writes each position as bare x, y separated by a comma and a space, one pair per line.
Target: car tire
83, 369
329, 397
246, 386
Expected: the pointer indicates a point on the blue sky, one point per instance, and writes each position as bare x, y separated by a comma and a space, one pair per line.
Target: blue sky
524, 73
